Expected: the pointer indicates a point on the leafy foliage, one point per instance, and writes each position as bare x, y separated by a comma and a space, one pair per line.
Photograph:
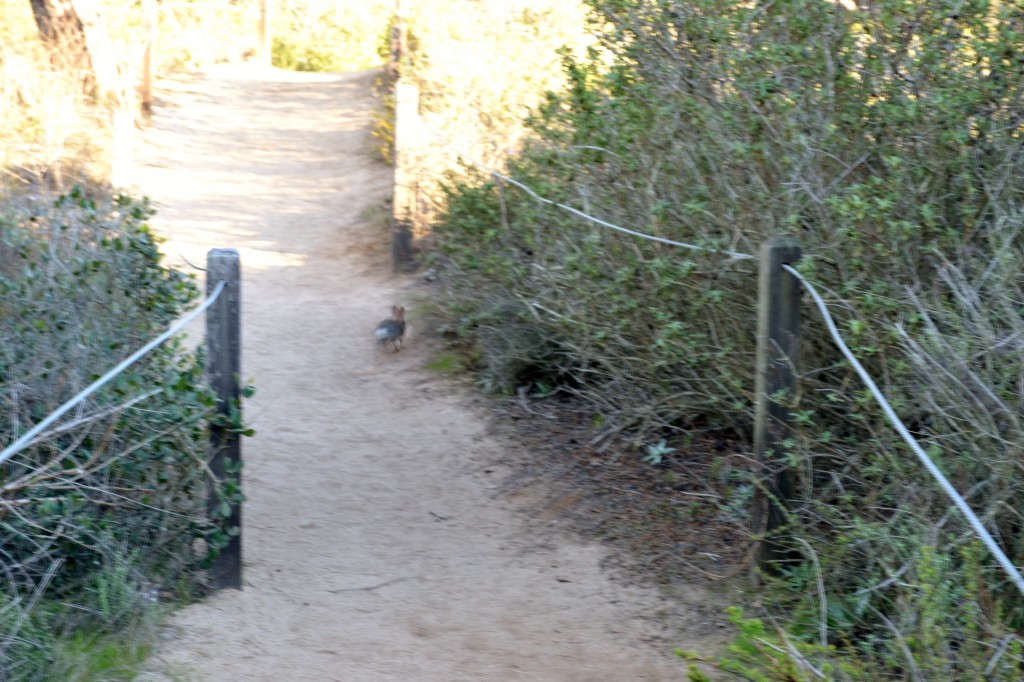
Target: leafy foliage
886, 138
104, 508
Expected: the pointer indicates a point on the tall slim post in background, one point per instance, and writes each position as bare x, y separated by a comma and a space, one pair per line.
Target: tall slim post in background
407, 104
266, 40
224, 367
152, 14
778, 348
403, 202
397, 42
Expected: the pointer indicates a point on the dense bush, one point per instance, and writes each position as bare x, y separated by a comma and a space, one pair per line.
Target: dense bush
887, 139
103, 510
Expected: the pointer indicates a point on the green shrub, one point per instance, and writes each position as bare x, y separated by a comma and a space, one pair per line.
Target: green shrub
103, 509
887, 140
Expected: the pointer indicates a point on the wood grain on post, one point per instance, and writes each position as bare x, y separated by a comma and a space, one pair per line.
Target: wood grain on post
224, 367
778, 346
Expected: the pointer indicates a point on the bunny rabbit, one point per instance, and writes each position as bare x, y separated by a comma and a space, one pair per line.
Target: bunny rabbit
392, 329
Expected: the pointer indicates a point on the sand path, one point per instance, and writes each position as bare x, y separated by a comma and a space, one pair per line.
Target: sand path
377, 543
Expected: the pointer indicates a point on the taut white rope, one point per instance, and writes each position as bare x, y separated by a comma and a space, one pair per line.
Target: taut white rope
890, 414
25, 439
575, 211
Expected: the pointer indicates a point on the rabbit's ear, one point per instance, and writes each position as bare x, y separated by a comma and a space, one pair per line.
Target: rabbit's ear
394, 311
399, 312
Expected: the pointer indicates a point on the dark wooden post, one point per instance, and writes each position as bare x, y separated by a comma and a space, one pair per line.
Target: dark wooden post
224, 366
778, 346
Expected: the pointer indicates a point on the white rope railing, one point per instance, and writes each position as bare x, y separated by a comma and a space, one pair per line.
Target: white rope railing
26, 439
580, 214
958, 501
901, 429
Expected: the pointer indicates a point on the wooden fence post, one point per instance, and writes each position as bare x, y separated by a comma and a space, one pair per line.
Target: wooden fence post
224, 366
152, 14
397, 42
403, 202
407, 106
778, 346
265, 48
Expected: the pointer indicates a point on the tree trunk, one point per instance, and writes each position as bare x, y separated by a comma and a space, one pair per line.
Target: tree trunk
57, 21
78, 38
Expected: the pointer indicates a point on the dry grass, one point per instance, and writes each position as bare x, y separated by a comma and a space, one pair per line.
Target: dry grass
195, 35
481, 68
54, 134
48, 129
323, 35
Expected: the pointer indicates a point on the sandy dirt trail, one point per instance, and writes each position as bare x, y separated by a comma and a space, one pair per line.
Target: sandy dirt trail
377, 543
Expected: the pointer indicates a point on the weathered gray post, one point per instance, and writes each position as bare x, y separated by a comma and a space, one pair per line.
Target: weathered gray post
778, 347
152, 13
224, 366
